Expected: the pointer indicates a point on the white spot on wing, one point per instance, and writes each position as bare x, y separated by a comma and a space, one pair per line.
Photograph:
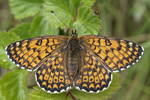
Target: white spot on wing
6, 48
8, 56
97, 91
133, 63
89, 91
6, 51
85, 90
17, 43
115, 71
18, 65
22, 68
49, 91
43, 89
62, 90
55, 92
130, 43
128, 66
12, 61
122, 69
76, 87
30, 70
142, 48
104, 88
142, 53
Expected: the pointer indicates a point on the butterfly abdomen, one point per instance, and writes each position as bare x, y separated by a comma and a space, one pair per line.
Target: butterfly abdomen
73, 57
72, 66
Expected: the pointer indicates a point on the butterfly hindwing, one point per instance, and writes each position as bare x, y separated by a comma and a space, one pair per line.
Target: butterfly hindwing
115, 54
52, 76
92, 75
29, 54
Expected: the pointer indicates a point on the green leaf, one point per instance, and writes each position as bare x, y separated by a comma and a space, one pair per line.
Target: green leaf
88, 3
41, 27
85, 3
64, 10
1, 97
90, 24
6, 39
115, 85
39, 94
25, 8
22, 30
76, 3
14, 86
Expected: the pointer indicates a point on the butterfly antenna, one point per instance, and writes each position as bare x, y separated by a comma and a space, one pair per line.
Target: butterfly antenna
59, 19
96, 12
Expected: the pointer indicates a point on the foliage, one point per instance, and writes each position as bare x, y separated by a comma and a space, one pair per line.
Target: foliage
46, 23
4, 37
118, 20
14, 86
25, 8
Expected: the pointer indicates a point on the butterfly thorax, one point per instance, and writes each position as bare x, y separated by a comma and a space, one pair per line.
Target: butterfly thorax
73, 56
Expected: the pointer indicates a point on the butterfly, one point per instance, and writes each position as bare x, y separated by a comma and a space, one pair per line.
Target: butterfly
63, 62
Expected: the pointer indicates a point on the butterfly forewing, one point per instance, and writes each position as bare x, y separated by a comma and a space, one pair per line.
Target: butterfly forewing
92, 75
115, 54
31, 53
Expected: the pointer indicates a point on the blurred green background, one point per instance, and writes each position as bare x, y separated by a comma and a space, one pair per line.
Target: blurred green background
128, 19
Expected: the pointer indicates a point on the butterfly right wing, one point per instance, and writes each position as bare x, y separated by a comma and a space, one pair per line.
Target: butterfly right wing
29, 54
92, 75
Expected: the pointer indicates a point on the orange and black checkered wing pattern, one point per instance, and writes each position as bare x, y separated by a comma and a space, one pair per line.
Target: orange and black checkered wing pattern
52, 76
31, 53
115, 54
92, 76
46, 55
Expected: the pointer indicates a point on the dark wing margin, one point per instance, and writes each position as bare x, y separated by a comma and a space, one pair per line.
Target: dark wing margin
29, 54
92, 77
116, 54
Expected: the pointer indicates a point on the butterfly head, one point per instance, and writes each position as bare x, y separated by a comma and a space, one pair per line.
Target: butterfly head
74, 33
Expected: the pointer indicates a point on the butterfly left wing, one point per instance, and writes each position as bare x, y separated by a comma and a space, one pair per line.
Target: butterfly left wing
115, 54
92, 75
52, 76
